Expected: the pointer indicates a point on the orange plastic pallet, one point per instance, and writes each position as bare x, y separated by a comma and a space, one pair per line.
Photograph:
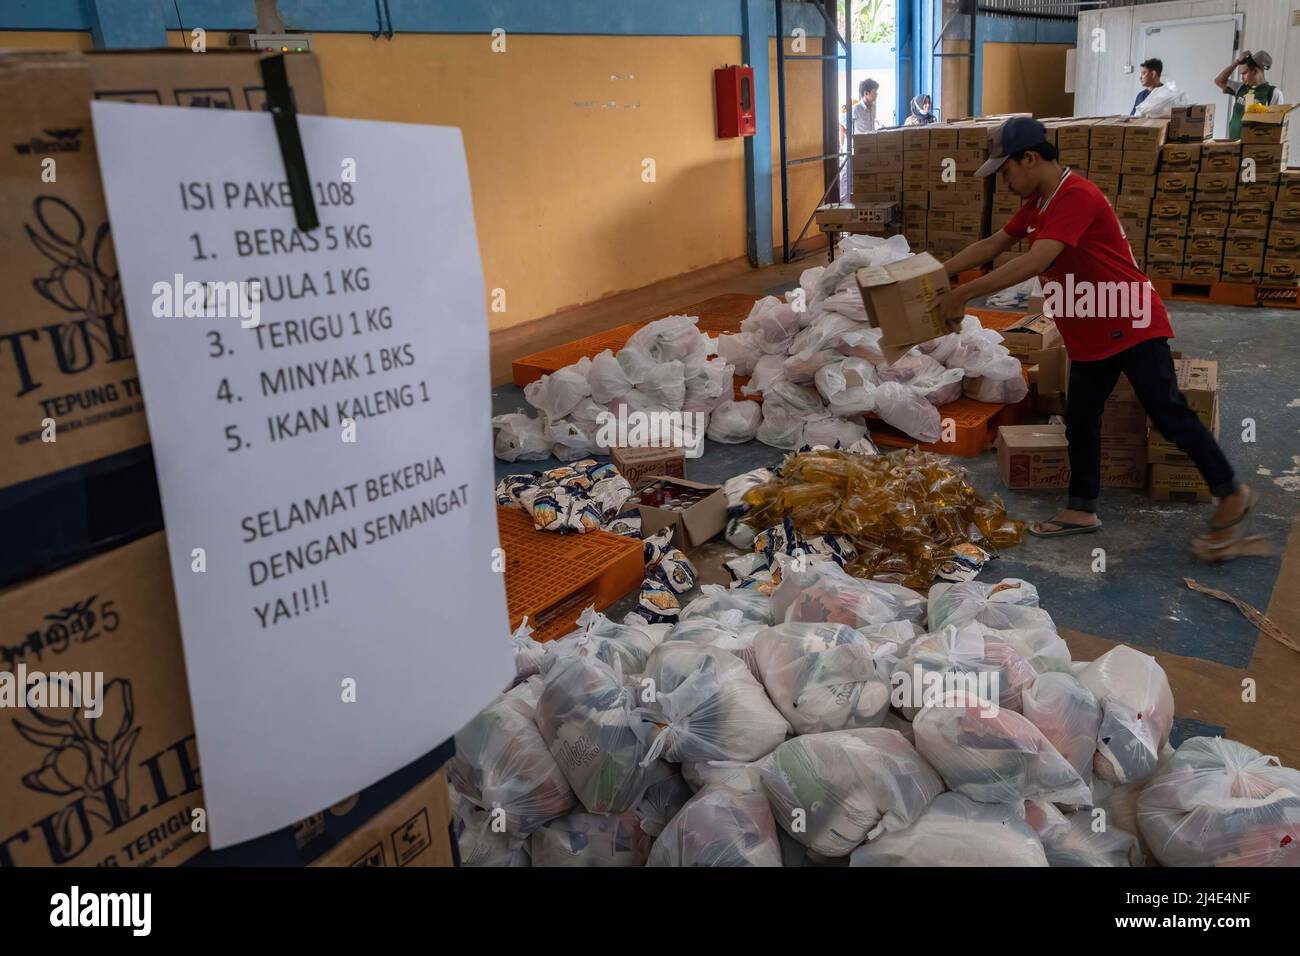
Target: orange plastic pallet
1278, 297
552, 578
1215, 293
722, 313
976, 426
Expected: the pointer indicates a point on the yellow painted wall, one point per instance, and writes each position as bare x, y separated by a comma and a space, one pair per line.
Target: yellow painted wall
44, 40
557, 129
955, 77
1026, 78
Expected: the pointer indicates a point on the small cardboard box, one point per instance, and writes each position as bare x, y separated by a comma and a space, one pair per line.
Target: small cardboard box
1191, 123
1168, 228
1244, 247
1198, 380
974, 137
1075, 158
1184, 156
1205, 248
916, 139
1135, 184
1107, 134
1238, 269
414, 830
864, 143
916, 178
1176, 185
902, 299
1216, 186
1075, 135
1052, 379
1107, 161
1140, 162
1167, 248
916, 199
1288, 186
1220, 156
1161, 269
640, 465
136, 763
1259, 191
876, 163
889, 140
1268, 125
1202, 270
1106, 182
1176, 210
1161, 451
1284, 241
1033, 456
1267, 154
1278, 271
1029, 336
1287, 213
1123, 466
1251, 216
702, 516
1209, 218
1177, 483
1145, 134
943, 138
1128, 202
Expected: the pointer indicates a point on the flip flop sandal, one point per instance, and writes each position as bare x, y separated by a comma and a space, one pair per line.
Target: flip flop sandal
1250, 504
1063, 529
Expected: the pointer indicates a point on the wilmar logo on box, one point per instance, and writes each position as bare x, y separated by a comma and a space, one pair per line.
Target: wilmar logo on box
60, 141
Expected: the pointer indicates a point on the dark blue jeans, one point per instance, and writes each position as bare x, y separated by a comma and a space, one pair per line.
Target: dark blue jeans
1150, 368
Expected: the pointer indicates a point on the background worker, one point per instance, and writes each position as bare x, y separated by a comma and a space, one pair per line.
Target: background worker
919, 111
1073, 232
1149, 76
1251, 88
864, 121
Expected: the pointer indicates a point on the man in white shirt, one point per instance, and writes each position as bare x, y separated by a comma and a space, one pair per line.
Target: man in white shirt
864, 121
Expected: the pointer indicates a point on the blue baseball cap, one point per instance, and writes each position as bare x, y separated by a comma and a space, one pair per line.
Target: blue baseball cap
1016, 134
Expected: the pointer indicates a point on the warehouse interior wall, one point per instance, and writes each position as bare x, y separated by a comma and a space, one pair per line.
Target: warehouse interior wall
1025, 78
607, 177
1103, 87
955, 77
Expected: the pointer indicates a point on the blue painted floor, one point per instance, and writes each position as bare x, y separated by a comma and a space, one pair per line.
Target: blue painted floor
1141, 598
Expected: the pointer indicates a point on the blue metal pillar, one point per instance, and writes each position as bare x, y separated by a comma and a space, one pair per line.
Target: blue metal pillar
125, 24
755, 32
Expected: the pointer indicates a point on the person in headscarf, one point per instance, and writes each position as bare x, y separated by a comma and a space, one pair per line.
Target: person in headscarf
921, 114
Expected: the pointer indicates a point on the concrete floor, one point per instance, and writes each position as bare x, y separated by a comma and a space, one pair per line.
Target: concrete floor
1207, 647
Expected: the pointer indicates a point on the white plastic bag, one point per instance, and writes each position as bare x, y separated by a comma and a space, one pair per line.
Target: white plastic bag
665, 384
708, 384
714, 600
956, 831
735, 422
1137, 713
673, 338
1068, 715
908, 410
1217, 802
971, 658
831, 791
832, 431
1009, 603
995, 758
584, 839
997, 391
781, 428
768, 369
720, 826
704, 704
740, 350
479, 842
848, 386
821, 676
942, 387
823, 591
772, 325
516, 437
1070, 840
607, 379
556, 394
585, 715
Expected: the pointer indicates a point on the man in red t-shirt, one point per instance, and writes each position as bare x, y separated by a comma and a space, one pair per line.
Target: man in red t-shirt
1109, 315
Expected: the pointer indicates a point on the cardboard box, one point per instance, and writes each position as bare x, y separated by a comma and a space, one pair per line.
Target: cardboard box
1167, 229
1145, 134
1268, 125
1205, 248
877, 163
916, 139
1220, 156
1180, 156
1279, 271
864, 143
1033, 456
1106, 161
1127, 202
1258, 191
1106, 182
1175, 210
1163, 269
1166, 247
1161, 451
1177, 483
943, 138
702, 515
1075, 158
1029, 336
1244, 247
916, 199
137, 762
1216, 186
1107, 134
1037, 456
1198, 381
1191, 123
1135, 184
1283, 241
1209, 218
1202, 269
1288, 186
901, 298
1175, 185
1052, 379
1142, 162
1286, 213
1238, 269
414, 830
1267, 154
49, 286
1075, 135
642, 465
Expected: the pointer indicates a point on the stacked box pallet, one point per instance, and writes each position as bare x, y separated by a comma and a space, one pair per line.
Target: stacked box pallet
958, 200
1171, 474
1265, 146
878, 167
916, 184
1282, 252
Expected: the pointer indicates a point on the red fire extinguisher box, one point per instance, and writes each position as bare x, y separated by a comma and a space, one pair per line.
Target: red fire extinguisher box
734, 90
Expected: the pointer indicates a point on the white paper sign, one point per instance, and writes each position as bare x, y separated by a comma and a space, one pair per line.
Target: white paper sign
324, 454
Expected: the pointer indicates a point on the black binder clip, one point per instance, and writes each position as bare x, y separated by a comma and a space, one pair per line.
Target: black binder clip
279, 100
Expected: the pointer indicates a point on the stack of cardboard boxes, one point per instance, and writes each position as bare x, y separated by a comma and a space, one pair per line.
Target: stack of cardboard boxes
916, 183
959, 200
1123, 439
1172, 475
